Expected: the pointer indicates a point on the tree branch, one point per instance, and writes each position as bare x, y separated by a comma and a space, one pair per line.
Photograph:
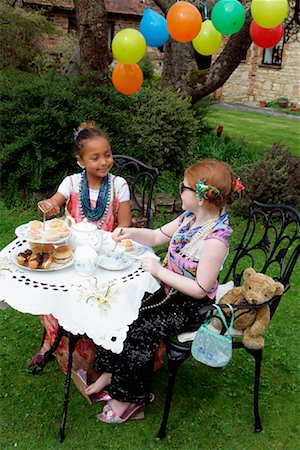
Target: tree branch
214, 77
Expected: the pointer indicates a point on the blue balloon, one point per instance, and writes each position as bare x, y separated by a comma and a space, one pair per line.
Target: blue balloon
153, 27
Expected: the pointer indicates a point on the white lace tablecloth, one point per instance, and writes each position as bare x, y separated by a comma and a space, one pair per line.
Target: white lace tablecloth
102, 306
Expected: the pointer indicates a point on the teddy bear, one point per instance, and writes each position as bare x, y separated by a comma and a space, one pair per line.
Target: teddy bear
257, 289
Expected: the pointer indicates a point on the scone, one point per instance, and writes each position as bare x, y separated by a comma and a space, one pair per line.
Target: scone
127, 243
62, 254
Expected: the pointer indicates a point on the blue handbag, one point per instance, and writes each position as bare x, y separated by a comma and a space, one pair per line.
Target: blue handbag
211, 348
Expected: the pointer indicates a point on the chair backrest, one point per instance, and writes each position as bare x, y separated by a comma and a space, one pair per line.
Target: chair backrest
270, 244
141, 179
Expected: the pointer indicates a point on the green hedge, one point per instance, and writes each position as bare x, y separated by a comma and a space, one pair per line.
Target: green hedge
39, 113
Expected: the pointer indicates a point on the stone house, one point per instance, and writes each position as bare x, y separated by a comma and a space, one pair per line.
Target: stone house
120, 14
264, 75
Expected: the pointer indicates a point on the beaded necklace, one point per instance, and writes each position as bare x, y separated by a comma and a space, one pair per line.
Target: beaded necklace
191, 248
102, 203
156, 305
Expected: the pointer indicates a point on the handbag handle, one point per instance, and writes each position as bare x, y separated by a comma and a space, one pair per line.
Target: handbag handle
220, 312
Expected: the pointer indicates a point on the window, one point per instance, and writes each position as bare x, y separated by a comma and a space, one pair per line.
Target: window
273, 56
110, 33
71, 24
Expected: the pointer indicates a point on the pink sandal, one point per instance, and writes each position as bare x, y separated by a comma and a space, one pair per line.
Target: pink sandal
132, 412
36, 359
80, 380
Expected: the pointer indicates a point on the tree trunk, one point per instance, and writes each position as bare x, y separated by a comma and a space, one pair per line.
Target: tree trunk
91, 23
181, 71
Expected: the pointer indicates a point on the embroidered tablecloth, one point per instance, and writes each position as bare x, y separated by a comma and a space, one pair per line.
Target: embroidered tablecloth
102, 306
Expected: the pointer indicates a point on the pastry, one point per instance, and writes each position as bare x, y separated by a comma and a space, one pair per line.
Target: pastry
64, 232
52, 235
56, 224
62, 254
41, 248
23, 257
33, 262
34, 234
127, 243
35, 225
46, 261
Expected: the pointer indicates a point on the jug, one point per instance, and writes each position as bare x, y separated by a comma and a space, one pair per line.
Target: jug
85, 260
84, 233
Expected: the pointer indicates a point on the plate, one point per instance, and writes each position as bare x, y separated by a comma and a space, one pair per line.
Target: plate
21, 232
103, 262
54, 265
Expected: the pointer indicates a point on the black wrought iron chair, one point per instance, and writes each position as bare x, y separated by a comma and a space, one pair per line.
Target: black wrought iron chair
271, 245
141, 179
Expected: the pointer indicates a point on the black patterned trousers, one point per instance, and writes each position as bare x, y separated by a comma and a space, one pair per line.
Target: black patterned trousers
132, 369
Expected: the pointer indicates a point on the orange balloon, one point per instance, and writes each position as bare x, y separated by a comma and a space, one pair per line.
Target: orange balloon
127, 78
184, 21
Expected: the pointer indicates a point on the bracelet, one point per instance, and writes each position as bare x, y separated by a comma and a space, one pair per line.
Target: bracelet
165, 233
208, 292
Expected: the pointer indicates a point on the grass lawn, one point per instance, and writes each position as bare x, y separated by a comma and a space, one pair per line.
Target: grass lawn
258, 130
212, 409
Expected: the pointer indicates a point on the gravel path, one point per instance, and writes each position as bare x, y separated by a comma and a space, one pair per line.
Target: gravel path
255, 109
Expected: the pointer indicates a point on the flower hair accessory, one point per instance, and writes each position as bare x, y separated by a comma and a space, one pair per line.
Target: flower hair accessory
202, 191
76, 133
237, 185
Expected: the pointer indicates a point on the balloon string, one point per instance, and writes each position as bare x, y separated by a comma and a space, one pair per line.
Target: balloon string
205, 10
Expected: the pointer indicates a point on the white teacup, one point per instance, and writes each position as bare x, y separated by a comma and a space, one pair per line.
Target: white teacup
114, 259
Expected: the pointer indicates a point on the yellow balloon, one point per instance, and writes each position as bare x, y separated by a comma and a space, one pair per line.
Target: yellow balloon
269, 13
209, 40
128, 46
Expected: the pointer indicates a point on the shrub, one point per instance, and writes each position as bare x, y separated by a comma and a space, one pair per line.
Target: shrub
231, 150
20, 36
273, 179
160, 129
39, 114
147, 66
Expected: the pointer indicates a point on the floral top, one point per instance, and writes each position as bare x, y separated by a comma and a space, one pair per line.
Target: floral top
181, 264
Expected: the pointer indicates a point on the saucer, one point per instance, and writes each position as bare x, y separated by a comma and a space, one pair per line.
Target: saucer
123, 263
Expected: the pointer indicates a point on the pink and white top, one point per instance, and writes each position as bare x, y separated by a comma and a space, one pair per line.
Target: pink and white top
119, 193
183, 265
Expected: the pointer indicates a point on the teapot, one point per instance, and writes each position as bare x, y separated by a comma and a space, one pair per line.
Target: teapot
84, 233
85, 259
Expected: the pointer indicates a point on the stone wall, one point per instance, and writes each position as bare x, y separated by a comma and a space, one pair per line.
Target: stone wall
253, 82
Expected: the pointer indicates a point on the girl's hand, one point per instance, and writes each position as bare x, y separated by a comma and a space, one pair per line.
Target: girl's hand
150, 265
49, 206
120, 233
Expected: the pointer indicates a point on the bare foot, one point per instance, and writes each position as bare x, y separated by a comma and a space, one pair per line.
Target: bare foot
119, 407
103, 381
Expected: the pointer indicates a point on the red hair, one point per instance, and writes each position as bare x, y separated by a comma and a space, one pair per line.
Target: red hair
215, 173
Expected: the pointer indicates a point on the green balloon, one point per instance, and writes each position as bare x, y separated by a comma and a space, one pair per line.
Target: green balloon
228, 16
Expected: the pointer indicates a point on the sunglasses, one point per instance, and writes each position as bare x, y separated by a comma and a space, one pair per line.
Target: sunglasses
183, 187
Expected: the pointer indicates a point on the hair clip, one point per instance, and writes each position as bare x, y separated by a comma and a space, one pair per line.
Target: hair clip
76, 133
202, 188
237, 185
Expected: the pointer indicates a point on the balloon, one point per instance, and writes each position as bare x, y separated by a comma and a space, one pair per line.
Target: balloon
209, 40
127, 78
266, 37
228, 16
269, 13
153, 27
183, 21
128, 46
